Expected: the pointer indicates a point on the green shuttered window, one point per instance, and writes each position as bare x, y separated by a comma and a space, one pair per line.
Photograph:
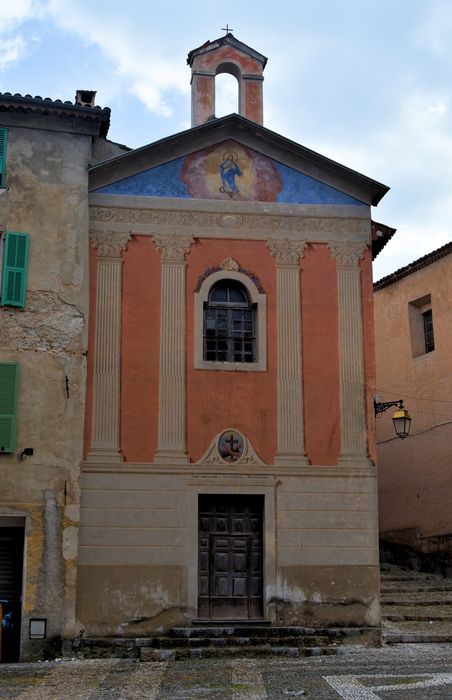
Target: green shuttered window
15, 263
3, 140
9, 385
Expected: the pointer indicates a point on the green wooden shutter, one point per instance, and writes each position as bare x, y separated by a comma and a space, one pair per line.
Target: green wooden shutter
9, 385
15, 263
3, 140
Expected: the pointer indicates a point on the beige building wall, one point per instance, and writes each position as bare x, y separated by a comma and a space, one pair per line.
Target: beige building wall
46, 197
415, 488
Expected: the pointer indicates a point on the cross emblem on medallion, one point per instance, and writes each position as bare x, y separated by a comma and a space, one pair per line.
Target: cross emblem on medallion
230, 445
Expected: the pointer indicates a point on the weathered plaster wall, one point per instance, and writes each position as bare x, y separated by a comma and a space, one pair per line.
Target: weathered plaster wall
415, 489
47, 198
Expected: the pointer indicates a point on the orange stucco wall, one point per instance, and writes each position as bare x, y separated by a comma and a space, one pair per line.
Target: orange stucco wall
244, 400
140, 349
211, 59
320, 349
219, 399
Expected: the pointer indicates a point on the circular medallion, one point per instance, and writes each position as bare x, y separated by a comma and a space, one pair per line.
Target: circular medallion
230, 445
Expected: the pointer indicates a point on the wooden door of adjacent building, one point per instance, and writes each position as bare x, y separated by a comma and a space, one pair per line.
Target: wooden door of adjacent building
230, 581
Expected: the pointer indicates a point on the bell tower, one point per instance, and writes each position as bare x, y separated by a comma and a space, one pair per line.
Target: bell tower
226, 55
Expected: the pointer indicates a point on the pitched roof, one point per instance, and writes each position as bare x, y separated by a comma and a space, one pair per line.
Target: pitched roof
414, 266
229, 39
381, 234
250, 134
95, 120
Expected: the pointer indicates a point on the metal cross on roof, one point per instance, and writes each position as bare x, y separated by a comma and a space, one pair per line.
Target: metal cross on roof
227, 29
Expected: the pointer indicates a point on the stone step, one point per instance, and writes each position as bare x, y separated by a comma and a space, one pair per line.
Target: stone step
416, 587
437, 598
417, 612
263, 650
251, 631
417, 632
187, 642
200, 642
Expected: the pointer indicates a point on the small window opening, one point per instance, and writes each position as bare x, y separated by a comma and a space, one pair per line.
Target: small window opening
428, 331
421, 326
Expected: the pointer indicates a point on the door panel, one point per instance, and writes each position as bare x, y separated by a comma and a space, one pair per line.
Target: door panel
230, 557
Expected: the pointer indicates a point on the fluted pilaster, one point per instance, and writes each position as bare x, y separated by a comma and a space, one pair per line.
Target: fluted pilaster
290, 379
172, 428
105, 443
351, 351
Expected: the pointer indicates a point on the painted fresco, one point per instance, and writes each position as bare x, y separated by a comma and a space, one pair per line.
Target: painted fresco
229, 171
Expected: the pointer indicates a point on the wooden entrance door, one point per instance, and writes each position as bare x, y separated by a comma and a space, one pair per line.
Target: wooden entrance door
230, 557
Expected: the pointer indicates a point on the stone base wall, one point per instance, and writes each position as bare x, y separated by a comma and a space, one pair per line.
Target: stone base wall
138, 555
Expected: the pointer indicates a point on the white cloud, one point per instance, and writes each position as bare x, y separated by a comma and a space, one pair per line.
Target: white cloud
12, 50
140, 69
13, 13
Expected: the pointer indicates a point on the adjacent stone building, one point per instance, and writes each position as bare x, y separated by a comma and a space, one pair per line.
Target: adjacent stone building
219, 284
46, 148
413, 340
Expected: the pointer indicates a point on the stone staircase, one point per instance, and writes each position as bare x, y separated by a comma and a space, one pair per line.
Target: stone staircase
415, 607
227, 641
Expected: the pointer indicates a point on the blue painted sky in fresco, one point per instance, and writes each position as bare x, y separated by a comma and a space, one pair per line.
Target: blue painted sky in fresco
165, 181
364, 83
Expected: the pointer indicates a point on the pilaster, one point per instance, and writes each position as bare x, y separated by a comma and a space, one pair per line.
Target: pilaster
351, 351
290, 379
105, 444
172, 425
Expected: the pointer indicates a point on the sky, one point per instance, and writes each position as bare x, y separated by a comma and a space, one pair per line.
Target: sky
364, 82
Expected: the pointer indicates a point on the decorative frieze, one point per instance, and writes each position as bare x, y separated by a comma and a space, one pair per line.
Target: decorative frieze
351, 351
256, 225
172, 428
105, 444
290, 379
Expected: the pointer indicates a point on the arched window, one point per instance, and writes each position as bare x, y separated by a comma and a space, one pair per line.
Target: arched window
229, 324
230, 331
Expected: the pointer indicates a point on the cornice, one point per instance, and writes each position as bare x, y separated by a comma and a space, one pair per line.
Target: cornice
253, 225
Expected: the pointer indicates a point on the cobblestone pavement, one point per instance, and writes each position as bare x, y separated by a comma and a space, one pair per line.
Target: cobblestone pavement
401, 672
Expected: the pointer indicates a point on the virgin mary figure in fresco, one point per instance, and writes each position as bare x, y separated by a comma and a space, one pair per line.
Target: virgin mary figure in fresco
229, 170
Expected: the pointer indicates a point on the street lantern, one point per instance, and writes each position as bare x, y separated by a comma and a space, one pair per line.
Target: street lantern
401, 417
